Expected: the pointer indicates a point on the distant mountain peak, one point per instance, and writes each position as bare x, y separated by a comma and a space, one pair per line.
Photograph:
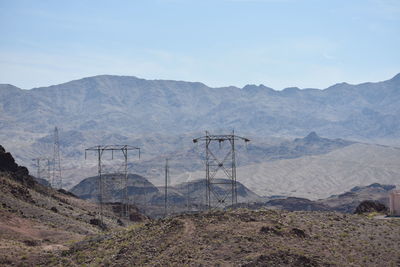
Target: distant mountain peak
385, 187
9, 87
339, 86
256, 88
291, 89
396, 77
313, 136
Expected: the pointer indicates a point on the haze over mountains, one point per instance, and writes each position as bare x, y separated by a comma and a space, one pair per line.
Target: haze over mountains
162, 117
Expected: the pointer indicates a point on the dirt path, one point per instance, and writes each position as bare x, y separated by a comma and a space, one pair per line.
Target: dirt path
189, 228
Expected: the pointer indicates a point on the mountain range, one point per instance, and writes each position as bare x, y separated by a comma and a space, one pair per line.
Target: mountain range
129, 105
162, 117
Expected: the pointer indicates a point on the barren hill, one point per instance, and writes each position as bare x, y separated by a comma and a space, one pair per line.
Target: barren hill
137, 186
245, 238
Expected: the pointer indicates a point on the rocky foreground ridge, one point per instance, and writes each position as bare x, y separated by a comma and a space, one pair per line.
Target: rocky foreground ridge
245, 238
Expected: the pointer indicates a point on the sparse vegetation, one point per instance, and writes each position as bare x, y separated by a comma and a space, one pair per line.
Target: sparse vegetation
247, 238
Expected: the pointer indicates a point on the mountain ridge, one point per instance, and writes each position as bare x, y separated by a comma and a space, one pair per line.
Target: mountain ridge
195, 106
250, 85
164, 116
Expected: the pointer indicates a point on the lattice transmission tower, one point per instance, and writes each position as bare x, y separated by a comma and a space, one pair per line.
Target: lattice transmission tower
104, 177
56, 179
43, 168
167, 182
220, 168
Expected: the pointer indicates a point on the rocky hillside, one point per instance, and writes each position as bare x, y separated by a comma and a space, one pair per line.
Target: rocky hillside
245, 238
36, 220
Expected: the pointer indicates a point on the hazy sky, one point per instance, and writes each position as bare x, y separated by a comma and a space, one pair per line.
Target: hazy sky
279, 43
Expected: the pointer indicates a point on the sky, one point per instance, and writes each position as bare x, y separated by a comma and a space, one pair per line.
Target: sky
278, 43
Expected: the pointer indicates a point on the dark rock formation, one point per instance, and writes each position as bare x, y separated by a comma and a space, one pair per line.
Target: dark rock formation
270, 230
54, 209
19, 173
297, 204
370, 206
65, 192
134, 214
298, 232
98, 223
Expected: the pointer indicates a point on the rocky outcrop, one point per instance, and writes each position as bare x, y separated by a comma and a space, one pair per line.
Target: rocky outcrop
18, 173
368, 206
297, 204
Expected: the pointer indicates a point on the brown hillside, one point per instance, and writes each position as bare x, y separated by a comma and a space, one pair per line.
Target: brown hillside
36, 220
245, 238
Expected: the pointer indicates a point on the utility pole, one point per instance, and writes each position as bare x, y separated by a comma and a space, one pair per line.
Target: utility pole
187, 197
166, 188
220, 162
188, 204
49, 171
38, 167
144, 198
56, 175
